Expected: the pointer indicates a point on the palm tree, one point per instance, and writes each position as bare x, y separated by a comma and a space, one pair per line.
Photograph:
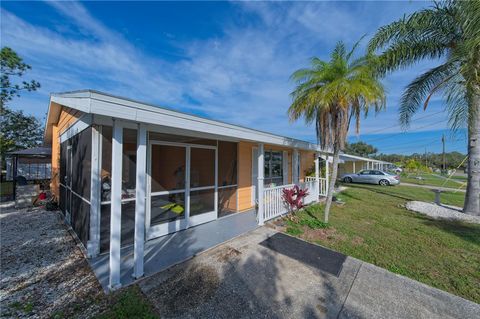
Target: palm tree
448, 31
330, 94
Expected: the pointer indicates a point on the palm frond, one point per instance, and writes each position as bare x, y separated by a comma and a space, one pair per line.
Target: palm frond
418, 90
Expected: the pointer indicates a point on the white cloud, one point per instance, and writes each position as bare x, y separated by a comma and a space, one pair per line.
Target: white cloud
240, 77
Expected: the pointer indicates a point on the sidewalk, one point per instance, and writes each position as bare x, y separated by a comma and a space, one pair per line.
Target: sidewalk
244, 278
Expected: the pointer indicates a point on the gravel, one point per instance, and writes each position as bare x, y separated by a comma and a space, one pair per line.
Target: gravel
441, 212
43, 272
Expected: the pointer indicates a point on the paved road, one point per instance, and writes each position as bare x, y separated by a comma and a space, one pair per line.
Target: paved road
243, 279
447, 189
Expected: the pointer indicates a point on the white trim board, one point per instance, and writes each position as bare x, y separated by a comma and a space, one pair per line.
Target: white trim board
121, 108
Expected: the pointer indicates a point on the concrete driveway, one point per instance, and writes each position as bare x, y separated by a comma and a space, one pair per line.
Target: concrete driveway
244, 278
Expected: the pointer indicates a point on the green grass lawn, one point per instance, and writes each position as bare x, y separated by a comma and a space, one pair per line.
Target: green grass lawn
374, 226
434, 180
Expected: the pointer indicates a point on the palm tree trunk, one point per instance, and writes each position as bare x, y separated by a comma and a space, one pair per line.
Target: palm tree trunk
472, 197
331, 185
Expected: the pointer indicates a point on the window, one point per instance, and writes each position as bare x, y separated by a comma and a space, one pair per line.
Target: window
273, 168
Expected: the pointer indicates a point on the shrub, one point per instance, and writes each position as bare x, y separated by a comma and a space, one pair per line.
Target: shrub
293, 197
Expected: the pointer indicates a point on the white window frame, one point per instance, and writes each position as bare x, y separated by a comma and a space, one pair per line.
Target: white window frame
153, 231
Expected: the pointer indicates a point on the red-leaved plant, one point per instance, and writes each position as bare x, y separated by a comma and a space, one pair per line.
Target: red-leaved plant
293, 197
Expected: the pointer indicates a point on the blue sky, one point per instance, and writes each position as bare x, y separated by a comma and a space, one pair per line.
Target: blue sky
229, 61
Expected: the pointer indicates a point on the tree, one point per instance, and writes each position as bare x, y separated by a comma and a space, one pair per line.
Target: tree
360, 149
18, 131
449, 31
11, 65
331, 93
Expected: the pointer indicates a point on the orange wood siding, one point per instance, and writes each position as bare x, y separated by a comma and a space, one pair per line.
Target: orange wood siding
245, 170
244, 176
306, 163
65, 120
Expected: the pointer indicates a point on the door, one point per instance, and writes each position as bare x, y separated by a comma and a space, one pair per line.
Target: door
182, 190
202, 189
363, 176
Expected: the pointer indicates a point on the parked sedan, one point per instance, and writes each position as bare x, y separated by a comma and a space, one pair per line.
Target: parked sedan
372, 177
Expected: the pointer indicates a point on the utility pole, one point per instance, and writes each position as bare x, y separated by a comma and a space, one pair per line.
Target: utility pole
426, 162
443, 155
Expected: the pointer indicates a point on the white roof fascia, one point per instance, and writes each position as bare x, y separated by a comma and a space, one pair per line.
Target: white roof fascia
111, 106
355, 157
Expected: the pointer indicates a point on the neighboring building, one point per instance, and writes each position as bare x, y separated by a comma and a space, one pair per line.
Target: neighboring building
352, 164
28, 166
109, 152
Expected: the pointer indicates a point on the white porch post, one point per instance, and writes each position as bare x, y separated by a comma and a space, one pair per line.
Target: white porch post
327, 173
295, 166
141, 188
354, 170
261, 168
116, 205
317, 176
93, 246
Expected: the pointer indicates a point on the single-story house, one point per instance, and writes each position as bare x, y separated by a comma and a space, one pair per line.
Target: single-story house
352, 164
127, 172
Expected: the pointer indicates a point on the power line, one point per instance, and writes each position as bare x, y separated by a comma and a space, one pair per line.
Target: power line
401, 133
410, 147
420, 118
411, 142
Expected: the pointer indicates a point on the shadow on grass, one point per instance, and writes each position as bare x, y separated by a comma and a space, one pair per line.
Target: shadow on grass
348, 195
311, 210
467, 232
383, 192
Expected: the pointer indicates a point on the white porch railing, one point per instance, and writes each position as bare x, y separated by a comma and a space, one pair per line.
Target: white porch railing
322, 184
274, 204
310, 184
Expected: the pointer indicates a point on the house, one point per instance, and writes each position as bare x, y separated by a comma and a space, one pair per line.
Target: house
352, 164
126, 172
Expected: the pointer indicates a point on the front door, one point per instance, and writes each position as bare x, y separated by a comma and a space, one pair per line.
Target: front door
181, 187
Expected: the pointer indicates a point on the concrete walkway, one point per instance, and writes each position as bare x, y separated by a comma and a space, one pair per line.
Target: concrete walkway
244, 278
446, 189
166, 251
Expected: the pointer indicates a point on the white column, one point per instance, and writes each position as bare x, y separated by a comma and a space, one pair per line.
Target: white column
116, 205
215, 199
188, 152
261, 168
93, 246
354, 170
327, 173
317, 176
140, 198
295, 166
